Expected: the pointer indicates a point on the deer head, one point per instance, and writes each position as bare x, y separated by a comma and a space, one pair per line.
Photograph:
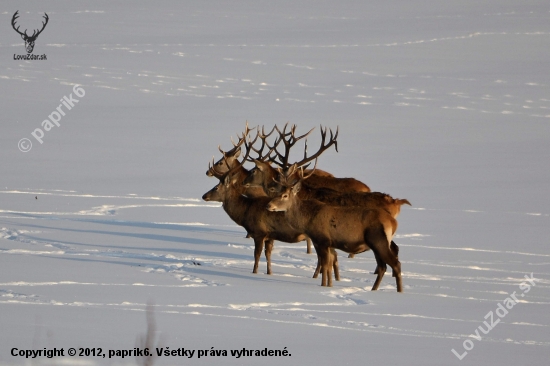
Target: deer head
29, 40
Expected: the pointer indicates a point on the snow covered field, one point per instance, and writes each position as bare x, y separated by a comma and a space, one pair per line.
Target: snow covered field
445, 103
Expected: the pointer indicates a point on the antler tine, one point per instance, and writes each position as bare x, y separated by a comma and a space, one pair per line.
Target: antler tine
289, 140
296, 139
13, 19
44, 23
281, 177
36, 31
258, 151
302, 177
249, 146
284, 133
242, 139
212, 169
264, 135
335, 137
323, 147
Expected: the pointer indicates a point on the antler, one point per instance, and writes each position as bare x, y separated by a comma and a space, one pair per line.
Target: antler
285, 176
13, 19
263, 136
242, 139
289, 139
43, 26
323, 147
248, 147
35, 34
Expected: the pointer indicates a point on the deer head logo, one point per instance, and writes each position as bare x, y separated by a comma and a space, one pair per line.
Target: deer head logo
29, 40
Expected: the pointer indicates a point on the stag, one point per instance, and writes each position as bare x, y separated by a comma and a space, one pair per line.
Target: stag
370, 200
263, 226
350, 229
29, 40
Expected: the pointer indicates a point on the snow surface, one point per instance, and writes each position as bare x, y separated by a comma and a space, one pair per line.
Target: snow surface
445, 103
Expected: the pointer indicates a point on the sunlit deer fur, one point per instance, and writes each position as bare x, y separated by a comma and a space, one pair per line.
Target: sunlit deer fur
373, 200
350, 229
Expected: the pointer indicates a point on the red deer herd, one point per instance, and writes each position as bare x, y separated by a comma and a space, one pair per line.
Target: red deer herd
279, 200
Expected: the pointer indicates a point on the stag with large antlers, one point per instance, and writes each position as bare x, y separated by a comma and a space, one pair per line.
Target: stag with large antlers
263, 226
29, 40
350, 229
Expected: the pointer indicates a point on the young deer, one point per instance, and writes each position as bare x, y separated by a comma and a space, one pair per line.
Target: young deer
263, 226
350, 229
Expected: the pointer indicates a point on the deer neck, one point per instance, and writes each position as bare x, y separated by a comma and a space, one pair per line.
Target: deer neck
299, 213
236, 205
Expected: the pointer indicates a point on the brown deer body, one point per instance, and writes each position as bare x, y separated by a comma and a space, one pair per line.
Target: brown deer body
363, 199
261, 225
265, 176
350, 229
371, 200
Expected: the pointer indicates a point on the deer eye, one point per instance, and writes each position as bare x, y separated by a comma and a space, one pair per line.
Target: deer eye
271, 189
285, 195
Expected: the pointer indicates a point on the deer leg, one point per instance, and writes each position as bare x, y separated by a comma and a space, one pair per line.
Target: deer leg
308, 250
335, 265
326, 267
318, 268
390, 258
323, 256
330, 263
385, 253
381, 269
395, 250
268, 249
258, 246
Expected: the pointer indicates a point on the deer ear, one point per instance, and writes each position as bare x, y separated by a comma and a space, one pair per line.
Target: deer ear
237, 153
296, 188
226, 181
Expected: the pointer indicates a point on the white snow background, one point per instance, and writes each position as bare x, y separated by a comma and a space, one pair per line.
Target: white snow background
445, 103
